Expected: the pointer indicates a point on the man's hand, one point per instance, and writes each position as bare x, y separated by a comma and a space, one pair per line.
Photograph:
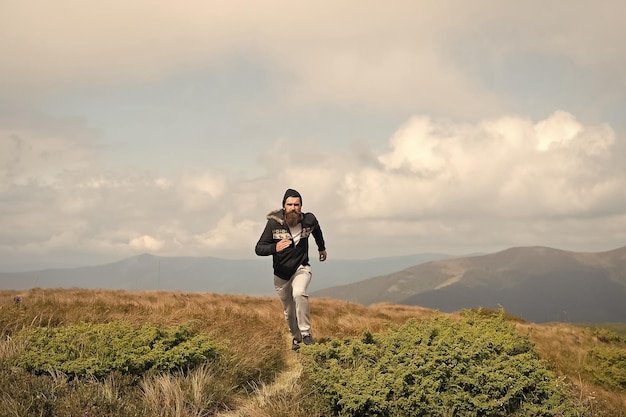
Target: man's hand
322, 255
282, 244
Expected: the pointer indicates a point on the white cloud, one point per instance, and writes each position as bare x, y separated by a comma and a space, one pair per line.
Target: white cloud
557, 130
400, 56
229, 234
508, 167
199, 192
499, 182
34, 145
484, 163
146, 243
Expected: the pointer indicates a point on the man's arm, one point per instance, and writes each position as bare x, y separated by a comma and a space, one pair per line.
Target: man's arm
319, 241
266, 245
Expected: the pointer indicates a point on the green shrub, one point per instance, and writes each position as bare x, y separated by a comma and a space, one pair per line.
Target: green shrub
607, 365
608, 336
99, 349
53, 395
474, 366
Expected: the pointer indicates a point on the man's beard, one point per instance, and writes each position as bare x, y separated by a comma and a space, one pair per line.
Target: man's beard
292, 218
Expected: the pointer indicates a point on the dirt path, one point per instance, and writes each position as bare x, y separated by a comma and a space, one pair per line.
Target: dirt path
285, 382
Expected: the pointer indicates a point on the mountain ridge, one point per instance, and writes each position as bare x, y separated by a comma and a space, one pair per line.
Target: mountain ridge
202, 274
537, 283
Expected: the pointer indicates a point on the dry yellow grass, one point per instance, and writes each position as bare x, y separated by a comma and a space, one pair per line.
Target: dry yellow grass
256, 333
565, 348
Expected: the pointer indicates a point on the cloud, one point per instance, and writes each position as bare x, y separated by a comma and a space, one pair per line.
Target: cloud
230, 234
33, 145
439, 184
146, 243
480, 157
508, 167
413, 56
199, 192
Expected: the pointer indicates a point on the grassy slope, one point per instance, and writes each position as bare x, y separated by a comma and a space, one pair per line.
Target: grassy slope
253, 328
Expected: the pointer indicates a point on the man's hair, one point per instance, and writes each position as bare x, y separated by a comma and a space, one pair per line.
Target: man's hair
291, 193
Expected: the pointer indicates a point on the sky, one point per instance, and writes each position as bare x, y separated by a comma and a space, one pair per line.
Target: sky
174, 127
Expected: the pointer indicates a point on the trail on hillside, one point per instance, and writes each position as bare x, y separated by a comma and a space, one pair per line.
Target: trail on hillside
283, 383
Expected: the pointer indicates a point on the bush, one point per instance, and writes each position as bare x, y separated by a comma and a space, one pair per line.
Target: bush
99, 349
473, 366
26, 394
607, 365
608, 336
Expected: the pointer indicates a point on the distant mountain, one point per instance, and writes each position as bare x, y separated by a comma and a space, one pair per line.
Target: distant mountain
203, 274
538, 284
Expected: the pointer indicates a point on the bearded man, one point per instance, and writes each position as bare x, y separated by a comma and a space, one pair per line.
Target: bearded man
286, 238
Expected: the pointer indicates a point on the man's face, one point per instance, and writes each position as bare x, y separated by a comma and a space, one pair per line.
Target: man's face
292, 211
292, 205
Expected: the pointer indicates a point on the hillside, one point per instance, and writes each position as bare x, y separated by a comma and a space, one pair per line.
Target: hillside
210, 274
537, 283
256, 373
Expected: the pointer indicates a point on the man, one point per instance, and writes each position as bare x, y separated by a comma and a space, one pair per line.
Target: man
286, 238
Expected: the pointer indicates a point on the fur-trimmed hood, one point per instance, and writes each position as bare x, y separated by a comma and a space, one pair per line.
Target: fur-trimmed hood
279, 216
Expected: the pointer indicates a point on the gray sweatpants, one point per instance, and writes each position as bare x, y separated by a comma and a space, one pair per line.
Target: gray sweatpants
292, 294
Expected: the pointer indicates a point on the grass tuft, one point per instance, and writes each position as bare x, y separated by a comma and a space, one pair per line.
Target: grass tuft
255, 373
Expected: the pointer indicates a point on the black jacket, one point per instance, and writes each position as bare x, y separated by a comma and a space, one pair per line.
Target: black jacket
286, 262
